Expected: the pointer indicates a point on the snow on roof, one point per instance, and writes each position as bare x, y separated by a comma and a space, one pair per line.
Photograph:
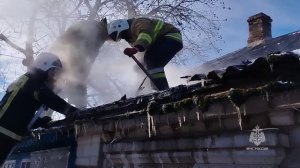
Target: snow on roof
288, 42
297, 51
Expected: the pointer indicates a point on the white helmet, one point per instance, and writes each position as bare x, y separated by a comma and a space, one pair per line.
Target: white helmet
46, 61
115, 27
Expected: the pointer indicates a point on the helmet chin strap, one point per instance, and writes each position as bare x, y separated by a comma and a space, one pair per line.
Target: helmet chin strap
124, 34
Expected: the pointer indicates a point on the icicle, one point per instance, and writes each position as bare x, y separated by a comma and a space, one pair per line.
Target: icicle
76, 129
39, 136
271, 67
179, 120
219, 119
239, 117
116, 130
267, 96
149, 124
84, 128
116, 125
198, 115
35, 134
184, 117
244, 109
123, 128
116, 134
238, 113
153, 125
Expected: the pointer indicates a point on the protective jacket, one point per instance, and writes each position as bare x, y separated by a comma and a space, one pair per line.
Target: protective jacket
144, 32
23, 97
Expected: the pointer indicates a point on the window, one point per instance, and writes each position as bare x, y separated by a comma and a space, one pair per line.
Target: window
25, 163
9, 164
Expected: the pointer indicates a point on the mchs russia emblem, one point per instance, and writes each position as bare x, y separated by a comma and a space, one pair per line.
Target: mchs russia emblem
257, 136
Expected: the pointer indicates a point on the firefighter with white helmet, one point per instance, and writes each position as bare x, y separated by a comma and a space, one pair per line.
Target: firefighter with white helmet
45, 61
160, 41
24, 96
115, 28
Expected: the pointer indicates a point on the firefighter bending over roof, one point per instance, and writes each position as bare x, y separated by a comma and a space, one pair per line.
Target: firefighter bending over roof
24, 96
160, 41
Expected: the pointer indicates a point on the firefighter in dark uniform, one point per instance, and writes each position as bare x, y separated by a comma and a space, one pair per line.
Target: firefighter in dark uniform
24, 96
160, 41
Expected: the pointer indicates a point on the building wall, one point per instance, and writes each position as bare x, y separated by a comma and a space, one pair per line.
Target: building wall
191, 138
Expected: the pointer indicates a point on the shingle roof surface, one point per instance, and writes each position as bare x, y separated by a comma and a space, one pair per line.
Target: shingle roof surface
288, 42
263, 67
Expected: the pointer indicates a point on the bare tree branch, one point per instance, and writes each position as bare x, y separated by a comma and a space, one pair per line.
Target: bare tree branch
76, 8
10, 43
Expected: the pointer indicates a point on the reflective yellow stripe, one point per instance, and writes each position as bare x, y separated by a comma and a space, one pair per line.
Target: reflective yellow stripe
156, 70
175, 36
10, 134
15, 89
159, 75
145, 37
157, 28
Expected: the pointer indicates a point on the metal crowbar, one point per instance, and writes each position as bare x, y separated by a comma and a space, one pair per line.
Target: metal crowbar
143, 69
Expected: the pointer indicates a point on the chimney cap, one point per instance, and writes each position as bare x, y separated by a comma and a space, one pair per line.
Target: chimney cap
259, 15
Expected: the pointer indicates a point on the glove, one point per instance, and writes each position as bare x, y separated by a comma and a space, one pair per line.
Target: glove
42, 122
130, 51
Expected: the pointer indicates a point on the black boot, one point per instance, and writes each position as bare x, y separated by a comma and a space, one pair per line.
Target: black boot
160, 83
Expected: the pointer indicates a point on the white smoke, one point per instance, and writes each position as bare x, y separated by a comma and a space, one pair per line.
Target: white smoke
112, 75
174, 73
115, 74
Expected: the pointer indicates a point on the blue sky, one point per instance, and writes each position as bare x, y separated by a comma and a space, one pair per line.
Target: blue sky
284, 13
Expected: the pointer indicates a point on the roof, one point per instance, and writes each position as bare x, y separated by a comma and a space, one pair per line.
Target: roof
147, 115
276, 66
276, 74
230, 103
288, 42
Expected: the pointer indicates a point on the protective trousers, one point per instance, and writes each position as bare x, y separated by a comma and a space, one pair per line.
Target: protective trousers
6, 145
157, 57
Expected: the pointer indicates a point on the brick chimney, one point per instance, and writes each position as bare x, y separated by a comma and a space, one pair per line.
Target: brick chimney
259, 29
